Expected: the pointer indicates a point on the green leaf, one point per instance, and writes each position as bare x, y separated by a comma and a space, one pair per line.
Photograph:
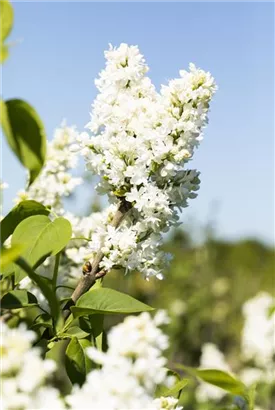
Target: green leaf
75, 331
42, 237
271, 311
218, 378
20, 212
42, 326
223, 380
251, 396
44, 320
6, 26
6, 19
8, 256
25, 134
16, 299
173, 391
104, 300
8, 269
84, 324
77, 363
4, 52
57, 353
97, 330
163, 391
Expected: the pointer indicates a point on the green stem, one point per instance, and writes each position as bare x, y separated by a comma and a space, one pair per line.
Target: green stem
67, 324
41, 282
13, 281
52, 212
81, 238
55, 271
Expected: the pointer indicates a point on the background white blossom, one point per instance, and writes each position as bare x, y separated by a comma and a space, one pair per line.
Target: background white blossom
25, 376
55, 180
131, 369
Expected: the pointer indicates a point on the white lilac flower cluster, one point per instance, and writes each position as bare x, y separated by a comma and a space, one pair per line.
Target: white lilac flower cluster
142, 141
86, 227
24, 375
55, 181
131, 369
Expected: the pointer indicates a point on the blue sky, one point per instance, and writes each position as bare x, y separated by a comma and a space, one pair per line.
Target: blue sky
59, 51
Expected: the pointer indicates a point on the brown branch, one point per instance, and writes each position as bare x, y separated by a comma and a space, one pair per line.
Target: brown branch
91, 272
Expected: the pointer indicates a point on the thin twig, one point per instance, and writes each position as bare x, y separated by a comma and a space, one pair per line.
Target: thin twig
89, 277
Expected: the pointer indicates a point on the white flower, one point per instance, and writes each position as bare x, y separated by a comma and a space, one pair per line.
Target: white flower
178, 307
77, 255
46, 398
258, 330
251, 375
169, 403
54, 181
14, 343
212, 358
24, 374
33, 373
131, 369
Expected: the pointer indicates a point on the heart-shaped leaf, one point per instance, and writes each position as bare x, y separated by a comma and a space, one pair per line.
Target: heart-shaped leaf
6, 26
25, 134
42, 238
104, 300
20, 212
8, 256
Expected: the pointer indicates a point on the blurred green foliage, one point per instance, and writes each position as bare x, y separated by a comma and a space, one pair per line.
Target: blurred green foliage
203, 292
